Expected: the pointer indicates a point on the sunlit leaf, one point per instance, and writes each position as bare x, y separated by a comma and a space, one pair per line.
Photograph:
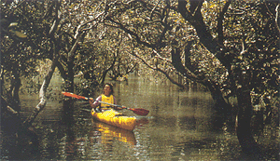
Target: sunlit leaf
18, 34
13, 24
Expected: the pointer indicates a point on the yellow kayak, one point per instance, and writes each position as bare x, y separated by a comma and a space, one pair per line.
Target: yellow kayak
111, 117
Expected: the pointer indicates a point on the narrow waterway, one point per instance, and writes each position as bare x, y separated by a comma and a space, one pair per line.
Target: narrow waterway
180, 126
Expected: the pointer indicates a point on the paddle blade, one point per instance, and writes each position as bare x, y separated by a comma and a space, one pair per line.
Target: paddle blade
68, 94
139, 111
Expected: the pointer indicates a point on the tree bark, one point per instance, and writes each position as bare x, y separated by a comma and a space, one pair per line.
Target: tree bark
196, 20
217, 96
12, 93
245, 110
244, 134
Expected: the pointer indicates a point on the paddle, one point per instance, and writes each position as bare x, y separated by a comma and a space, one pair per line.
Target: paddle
138, 111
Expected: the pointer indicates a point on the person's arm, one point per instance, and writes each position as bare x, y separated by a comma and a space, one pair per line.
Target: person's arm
115, 107
95, 103
115, 101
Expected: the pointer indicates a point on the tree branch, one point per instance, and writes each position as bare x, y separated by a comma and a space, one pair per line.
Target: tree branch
152, 12
160, 57
107, 70
138, 39
195, 6
177, 63
220, 22
204, 33
6, 107
61, 70
165, 24
158, 69
276, 18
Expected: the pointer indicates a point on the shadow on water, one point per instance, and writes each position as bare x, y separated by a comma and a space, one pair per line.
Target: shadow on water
19, 146
69, 120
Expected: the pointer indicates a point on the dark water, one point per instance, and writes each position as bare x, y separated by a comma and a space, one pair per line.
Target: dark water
180, 126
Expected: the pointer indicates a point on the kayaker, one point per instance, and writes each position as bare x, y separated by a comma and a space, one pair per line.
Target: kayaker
106, 96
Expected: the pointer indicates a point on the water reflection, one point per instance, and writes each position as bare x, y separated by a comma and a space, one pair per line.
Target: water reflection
179, 127
110, 133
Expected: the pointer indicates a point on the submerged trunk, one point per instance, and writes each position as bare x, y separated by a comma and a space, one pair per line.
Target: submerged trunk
244, 133
217, 96
245, 111
16, 101
69, 87
69, 81
222, 108
13, 92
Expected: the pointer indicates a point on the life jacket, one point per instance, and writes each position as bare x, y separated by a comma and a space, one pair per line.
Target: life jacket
107, 99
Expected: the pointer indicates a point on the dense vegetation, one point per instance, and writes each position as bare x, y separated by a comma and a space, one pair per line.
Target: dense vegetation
230, 47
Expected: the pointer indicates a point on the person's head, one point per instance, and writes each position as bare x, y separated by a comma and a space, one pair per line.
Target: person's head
108, 89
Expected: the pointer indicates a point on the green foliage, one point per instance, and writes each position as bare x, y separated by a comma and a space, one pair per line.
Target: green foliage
35, 30
24, 42
216, 43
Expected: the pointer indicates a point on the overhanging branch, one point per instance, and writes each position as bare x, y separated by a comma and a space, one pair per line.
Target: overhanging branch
204, 33
160, 70
138, 39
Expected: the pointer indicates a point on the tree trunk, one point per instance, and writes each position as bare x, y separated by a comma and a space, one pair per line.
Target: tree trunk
217, 96
70, 75
244, 134
15, 94
245, 110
